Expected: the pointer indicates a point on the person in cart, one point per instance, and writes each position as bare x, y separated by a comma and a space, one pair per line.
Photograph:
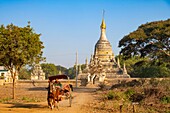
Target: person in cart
64, 89
57, 84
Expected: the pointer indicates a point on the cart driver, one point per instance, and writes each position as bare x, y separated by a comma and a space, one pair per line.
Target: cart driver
57, 84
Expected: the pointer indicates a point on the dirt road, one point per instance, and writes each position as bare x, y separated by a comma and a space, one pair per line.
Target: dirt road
81, 97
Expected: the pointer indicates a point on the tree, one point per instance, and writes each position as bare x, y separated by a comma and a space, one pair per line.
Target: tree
49, 69
145, 67
71, 72
150, 39
61, 69
19, 46
132, 64
150, 71
24, 73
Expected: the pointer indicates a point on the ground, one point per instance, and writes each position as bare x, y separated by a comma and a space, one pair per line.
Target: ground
142, 96
32, 99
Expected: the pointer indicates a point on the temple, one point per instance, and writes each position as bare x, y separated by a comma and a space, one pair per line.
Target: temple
102, 65
37, 73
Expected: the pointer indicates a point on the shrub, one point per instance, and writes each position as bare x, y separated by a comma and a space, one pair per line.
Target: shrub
129, 93
137, 97
165, 99
113, 95
110, 95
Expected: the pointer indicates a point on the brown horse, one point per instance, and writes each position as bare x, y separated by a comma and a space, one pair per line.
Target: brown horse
55, 94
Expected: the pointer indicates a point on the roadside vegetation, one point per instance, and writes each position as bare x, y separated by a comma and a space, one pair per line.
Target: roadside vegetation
138, 96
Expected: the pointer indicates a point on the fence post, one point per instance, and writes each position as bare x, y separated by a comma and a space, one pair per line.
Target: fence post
134, 108
121, 106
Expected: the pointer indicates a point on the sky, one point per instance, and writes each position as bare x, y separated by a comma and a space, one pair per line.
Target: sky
70, 26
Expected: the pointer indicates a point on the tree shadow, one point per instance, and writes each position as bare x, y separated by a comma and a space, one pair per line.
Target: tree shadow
37, 89
25, 105
126, 84
84, 90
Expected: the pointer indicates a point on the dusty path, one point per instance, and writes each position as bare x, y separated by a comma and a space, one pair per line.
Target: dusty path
82, 96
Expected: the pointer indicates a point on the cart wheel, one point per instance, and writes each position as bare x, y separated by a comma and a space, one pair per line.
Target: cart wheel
70, 97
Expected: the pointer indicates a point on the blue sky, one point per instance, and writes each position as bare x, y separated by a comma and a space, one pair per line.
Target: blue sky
68, 26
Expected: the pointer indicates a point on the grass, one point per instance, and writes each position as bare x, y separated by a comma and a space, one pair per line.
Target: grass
129, 93
148, 97
23, 99
165, 99
27, 99
5, 100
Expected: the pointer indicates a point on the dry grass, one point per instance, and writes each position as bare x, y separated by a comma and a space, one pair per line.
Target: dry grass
24, 94
142, 96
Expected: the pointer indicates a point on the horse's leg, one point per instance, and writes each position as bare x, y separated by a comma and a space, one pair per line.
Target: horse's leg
48, 100
57, 104
57, 98
53, 102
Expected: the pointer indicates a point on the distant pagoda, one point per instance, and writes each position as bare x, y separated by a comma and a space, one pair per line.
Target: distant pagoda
37, 73
102, 65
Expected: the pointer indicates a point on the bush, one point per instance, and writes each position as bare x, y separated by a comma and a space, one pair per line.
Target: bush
137, 97
129, 93
110, 95
165, 99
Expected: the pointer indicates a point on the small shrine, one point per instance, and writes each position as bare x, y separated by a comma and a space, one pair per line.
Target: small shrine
37, 73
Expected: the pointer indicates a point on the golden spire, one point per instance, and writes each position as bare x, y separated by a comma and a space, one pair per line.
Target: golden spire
103, 25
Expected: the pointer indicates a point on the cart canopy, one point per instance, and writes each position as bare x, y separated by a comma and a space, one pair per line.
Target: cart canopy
58, 77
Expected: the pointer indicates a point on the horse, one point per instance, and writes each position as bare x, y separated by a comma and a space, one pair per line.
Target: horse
55, 94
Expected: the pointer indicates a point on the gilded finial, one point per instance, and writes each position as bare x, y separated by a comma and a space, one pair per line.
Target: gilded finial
103, 25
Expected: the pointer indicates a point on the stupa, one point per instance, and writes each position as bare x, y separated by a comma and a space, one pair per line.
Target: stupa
102, 65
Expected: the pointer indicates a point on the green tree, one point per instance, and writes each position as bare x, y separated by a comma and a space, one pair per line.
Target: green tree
19, 46
144, 67
61, 69
150, 39
132, 64
24, 73
154, 71
49, 69
71, 72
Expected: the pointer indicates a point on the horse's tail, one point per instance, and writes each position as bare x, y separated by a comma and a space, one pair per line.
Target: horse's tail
71, 86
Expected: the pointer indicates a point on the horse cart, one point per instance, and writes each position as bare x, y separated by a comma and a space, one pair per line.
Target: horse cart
57, 91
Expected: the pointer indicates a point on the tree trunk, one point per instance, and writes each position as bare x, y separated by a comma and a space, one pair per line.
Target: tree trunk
13, 78
13, 89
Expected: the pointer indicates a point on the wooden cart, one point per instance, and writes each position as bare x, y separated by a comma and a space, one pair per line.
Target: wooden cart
56, 94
